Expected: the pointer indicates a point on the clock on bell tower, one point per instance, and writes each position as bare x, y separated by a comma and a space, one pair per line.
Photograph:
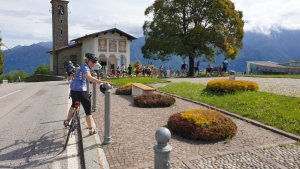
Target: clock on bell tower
59, 23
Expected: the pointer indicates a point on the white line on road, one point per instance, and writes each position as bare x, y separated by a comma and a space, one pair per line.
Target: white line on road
10, 94
72, 151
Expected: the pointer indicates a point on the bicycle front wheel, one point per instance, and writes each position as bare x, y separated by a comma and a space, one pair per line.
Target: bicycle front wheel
72, 128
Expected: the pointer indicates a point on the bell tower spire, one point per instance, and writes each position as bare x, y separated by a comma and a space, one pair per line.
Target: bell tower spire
59, 23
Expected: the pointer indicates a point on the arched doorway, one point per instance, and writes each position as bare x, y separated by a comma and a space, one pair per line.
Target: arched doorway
102, 60
112, 62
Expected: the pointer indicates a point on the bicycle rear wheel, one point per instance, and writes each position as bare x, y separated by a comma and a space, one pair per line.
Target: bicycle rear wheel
72, 126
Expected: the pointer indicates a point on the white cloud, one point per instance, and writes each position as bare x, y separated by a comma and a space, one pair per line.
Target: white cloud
261, 16
29, 21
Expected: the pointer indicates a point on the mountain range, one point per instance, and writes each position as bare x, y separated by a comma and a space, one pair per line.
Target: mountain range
279, 46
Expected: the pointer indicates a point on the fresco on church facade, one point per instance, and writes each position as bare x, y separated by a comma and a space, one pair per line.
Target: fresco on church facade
122, 46
112, 46
102, 46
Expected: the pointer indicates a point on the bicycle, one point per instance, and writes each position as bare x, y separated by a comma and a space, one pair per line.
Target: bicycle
75, 121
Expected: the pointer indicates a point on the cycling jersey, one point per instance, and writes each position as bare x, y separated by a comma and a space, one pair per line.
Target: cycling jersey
80, 82
70, 68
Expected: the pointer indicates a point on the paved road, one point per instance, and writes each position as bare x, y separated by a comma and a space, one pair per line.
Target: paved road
31, 130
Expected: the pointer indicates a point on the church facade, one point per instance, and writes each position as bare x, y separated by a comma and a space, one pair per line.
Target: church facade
112, 46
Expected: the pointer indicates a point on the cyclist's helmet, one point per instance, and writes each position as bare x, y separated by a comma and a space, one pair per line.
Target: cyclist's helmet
90, 56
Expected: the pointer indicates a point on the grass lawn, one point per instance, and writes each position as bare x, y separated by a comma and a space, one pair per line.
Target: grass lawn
282, 112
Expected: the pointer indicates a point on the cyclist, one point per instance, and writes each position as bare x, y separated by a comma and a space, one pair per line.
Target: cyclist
79, 90
184, 67
70, 70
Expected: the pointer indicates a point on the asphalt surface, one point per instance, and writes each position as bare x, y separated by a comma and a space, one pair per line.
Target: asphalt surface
31, 130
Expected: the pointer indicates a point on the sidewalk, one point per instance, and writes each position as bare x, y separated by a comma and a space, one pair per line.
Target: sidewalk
133, 129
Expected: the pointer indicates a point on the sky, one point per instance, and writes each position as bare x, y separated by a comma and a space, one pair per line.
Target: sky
25, 22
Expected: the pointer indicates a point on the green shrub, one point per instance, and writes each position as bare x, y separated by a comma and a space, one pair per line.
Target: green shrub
13, 76
200, 124
124, 90
42, 70
227, 86
154, 100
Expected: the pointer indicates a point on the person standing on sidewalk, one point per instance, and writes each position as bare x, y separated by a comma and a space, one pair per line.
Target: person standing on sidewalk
97, 69
79, 90
129, 70
70, 70
197, 68
225, 65
123, 70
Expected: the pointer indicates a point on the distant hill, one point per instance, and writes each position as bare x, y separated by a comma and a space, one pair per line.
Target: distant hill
278, 47
26, 58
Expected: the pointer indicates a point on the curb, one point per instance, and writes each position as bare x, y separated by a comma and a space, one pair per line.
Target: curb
278, 131
93, 153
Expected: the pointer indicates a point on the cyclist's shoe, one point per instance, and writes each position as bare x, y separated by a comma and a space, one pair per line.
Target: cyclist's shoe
66, 123
93, 131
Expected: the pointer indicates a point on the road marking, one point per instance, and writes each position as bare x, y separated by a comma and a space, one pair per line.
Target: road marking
72, 154
10, 94
73, 159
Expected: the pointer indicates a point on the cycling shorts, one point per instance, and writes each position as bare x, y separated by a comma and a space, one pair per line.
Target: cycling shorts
84, 98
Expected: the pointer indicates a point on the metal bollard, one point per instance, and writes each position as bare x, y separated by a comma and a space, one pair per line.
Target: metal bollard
162, 149
88, 87
94, 106
94, 74
104, 73
232, 75
107, 137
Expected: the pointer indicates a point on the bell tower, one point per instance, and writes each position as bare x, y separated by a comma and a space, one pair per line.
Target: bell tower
59, 23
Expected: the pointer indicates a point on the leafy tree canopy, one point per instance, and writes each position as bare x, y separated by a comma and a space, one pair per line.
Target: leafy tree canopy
42, 69
193, 28
13, 76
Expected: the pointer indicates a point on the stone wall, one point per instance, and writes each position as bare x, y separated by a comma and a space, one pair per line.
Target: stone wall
43, 78
62, 57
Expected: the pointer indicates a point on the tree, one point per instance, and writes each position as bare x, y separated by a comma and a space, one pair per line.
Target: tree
13, 76
193, 29
1, 58
42, 69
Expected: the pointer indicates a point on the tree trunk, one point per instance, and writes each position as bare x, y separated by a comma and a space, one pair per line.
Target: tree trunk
191, 66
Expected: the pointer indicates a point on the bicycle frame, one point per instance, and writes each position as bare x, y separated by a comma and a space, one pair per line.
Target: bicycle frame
74, 122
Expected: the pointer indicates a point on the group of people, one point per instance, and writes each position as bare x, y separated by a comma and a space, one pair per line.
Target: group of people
131, 70
222, 69
121, 71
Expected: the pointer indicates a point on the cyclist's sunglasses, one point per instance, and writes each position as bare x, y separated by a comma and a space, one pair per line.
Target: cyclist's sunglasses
94, 61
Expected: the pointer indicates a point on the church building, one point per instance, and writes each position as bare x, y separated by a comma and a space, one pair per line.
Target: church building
112, 46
